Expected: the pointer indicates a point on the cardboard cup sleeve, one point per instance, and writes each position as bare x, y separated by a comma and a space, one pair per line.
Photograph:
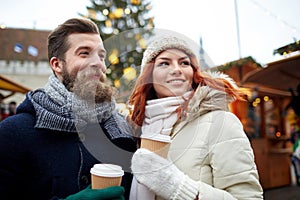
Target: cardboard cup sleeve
156, 143
106, 175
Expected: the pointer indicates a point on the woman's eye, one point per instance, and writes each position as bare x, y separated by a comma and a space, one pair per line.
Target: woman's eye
163, 64
186, 63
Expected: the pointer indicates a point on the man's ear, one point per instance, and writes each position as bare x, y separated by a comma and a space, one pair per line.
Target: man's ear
56, 65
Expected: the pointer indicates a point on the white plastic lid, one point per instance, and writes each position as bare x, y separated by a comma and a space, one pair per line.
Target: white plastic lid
107, 170
157, 137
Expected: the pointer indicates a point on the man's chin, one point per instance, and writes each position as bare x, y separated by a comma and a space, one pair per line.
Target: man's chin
94, 91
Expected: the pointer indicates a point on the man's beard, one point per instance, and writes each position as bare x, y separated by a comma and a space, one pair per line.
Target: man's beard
86, 89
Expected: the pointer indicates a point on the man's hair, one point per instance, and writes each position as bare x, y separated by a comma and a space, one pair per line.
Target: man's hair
57, 39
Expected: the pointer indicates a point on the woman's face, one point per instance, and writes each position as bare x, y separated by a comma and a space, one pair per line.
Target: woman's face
172, 73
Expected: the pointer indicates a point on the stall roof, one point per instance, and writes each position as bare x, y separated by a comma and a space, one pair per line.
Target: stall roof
10, 85
280, 75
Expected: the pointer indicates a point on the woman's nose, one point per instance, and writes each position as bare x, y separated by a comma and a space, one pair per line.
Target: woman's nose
176, 69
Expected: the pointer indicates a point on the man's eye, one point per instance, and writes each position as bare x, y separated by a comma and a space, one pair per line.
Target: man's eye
84, 53
102, 56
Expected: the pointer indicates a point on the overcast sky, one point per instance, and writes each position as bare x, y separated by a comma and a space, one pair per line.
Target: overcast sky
264, 25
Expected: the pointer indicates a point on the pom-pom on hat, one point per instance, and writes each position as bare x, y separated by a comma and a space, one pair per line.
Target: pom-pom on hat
163, 43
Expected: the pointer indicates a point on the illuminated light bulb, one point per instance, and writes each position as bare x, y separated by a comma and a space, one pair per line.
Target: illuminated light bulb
266, 98
257, 100
142, 43
108, 23
108, 71
127, 11
117, 83
105, 12
111, 16
136, 2
129, 73
118, 12
113, 57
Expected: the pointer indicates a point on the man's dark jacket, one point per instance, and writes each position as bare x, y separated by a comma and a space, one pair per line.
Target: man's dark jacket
46, 164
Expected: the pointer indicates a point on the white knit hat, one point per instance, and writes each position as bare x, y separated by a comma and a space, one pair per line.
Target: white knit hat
163, 43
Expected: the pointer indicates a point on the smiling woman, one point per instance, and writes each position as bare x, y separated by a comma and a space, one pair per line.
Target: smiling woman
173, 97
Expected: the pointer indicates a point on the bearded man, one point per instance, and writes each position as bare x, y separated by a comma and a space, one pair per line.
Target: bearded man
60, 131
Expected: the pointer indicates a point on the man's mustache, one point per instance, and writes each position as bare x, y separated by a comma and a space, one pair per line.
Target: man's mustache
92, 72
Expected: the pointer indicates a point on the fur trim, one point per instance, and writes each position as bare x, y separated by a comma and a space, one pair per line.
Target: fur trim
217, 74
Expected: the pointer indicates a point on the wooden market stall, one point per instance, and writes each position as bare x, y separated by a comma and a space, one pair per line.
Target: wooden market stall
274, 123
263, 116
270, 138
8, 88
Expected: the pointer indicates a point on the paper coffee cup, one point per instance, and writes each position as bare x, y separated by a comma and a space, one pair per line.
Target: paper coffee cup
106, 175
157, 143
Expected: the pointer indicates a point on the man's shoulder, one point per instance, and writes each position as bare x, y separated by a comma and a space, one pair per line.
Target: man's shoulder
17, 123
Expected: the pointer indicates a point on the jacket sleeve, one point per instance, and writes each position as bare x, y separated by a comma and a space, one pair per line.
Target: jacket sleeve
116, 128
231, 157
12, 175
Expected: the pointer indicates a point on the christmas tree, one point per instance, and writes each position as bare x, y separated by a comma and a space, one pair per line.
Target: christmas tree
124, 27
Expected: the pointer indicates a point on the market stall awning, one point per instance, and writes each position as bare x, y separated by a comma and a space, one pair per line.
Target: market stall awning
10, 85
280, 75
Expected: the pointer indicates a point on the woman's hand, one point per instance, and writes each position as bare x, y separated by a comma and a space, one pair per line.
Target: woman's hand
162, 176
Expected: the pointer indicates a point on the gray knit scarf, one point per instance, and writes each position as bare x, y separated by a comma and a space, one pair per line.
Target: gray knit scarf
61, 110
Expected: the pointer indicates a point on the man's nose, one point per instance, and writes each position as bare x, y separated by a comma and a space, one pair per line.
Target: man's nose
98, 62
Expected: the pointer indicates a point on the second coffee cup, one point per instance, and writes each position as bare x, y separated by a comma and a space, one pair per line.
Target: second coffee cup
106, 175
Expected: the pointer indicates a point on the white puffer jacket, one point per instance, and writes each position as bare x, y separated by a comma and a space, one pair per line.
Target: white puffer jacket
210, 146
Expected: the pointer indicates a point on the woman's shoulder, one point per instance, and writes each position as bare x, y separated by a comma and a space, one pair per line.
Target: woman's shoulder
217, 116
223, 125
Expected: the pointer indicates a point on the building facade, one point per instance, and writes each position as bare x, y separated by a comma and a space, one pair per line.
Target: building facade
24, 59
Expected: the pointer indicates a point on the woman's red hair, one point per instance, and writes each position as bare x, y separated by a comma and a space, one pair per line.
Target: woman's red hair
143, 89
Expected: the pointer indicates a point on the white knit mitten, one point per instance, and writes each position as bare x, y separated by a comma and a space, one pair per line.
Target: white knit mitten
162, 177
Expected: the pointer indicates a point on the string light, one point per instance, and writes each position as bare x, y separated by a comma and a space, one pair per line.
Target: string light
268, 12
278, 134
266, 98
